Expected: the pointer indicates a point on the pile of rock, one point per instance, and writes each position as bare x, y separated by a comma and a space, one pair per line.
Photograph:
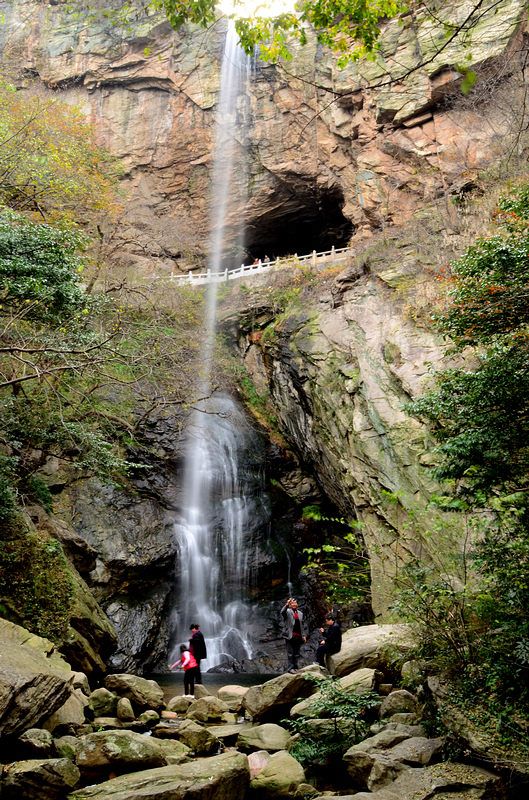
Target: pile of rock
123, 741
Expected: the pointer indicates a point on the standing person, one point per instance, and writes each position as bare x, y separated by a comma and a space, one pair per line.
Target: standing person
331, 640
188, 663
294, 631
197, 645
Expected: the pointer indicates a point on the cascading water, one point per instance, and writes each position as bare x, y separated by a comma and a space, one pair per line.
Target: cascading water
222, 503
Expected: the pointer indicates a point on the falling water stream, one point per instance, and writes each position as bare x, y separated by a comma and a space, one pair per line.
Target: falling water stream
222, 504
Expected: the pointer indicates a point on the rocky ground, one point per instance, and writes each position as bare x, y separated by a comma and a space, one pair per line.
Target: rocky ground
61, 739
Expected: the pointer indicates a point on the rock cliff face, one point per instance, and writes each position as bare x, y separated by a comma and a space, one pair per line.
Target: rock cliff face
323, 154
397, 134
338, 365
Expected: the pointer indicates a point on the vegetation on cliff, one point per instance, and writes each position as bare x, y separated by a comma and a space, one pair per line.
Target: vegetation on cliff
84, 357
478, 631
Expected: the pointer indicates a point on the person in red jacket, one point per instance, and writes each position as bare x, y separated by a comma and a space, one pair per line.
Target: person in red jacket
188, 663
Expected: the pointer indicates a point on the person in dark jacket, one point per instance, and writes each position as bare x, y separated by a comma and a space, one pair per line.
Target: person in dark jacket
294, 631
197, 646
331, 640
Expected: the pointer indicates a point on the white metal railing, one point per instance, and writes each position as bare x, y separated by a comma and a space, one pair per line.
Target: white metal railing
335, 254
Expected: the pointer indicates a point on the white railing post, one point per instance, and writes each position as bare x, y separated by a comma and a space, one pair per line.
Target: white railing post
226, 274
332, 251
314, 257
190, 276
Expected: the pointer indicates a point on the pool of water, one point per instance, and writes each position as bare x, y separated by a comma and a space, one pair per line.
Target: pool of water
173, 684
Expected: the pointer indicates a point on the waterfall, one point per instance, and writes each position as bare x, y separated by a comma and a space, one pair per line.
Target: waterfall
222, 504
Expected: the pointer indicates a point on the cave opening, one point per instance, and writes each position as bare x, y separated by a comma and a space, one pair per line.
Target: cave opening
298, 222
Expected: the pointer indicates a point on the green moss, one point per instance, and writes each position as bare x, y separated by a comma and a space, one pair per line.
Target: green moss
36, 584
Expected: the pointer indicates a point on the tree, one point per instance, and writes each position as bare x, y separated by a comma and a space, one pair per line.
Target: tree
349, 27
50, 165
481, 415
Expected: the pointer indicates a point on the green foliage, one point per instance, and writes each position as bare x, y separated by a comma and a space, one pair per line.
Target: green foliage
339, 558
349, 27
40, 271
35, 581
50, 165
482, 414
333, 703
473, 622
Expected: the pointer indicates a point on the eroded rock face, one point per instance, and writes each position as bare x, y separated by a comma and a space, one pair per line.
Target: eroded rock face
365, 160
34, 679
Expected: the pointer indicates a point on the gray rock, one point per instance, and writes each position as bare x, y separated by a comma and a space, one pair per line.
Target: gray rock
149, 718
180, 703
399, 701
207, 709
200, 740
66, 746
124, 710
279, 778
358, 682
142, 693
268, 737
39, 779
416, 751
273, 698
35, 743
103, 702
202, 691
447, 780
222, 777
34, 679
365, 646
71, 713
117, 751
233, 696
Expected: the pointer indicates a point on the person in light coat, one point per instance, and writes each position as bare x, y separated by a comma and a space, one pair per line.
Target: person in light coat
294, 631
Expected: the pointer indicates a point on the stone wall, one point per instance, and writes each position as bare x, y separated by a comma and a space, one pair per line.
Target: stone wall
316, 135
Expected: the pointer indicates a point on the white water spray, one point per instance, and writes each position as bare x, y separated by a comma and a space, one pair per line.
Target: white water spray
220, 507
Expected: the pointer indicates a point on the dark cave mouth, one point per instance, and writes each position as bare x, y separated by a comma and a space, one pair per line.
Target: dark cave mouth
310, 221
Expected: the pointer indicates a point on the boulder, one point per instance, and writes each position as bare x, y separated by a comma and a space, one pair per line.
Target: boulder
71, 713
103, 703
117, 751
35, 743
233, 696
268, 737
80, 681
228, 734
207, 709
400, 701
200, 740
180, 703
222, 777
39, 779
280, 777
417, 751
149, 718
174, 752
124, 710
408, 730
454, 781
366, 647
34, 679
201, 691
142, 693
257, 761
358, 682
272, 700
485, 744
66, 746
